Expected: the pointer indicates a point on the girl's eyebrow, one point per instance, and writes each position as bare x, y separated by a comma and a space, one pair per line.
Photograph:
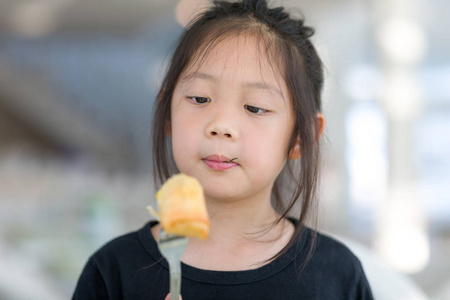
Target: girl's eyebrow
198, 75
263, 86
249, 85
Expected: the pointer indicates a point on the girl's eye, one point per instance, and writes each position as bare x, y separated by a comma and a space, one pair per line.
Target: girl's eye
199, 100
255, 110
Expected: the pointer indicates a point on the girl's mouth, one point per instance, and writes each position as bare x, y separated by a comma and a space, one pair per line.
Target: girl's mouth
219, 162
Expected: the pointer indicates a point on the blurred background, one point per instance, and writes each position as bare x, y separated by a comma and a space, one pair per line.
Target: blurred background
77, 83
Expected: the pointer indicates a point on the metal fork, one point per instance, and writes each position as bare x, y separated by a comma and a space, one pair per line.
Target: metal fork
172, 248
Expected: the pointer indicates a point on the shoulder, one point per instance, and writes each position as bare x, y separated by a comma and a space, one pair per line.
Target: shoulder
335, 256
124, 249
327, 251
117, 245
333, 251
325, 248
117, 267
339, 267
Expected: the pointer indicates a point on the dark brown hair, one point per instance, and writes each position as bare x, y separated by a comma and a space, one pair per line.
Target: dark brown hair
287, 44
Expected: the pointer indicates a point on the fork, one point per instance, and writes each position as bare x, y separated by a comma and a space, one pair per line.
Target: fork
172, 248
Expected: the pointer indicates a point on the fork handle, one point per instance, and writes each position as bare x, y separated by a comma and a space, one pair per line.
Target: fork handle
175, 280
175, 287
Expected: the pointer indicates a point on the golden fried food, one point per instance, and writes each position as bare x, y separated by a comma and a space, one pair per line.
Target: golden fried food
182, 207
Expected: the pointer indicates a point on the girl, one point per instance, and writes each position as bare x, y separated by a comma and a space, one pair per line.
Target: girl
239, 104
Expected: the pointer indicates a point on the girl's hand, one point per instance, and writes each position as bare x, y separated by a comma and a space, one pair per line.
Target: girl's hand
168, 297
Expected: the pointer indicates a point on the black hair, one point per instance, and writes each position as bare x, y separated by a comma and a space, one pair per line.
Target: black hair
287, 42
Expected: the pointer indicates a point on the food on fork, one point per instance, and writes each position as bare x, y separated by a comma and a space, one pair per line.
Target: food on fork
182, 207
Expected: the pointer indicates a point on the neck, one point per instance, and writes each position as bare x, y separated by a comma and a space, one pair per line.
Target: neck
241, 220
243, 235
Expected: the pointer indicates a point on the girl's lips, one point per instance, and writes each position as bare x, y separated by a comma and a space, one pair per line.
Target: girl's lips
219, 163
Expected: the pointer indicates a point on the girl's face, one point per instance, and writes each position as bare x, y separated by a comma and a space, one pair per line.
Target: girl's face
232, 105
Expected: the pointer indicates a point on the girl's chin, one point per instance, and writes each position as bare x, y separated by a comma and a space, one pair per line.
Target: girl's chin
221, 194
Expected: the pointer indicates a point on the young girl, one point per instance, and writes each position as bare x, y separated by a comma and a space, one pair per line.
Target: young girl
239, 107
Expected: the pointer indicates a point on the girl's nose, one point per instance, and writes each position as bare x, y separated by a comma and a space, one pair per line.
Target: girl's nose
222, 126
220, 132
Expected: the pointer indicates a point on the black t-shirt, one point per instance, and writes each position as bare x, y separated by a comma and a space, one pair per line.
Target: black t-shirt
131, 267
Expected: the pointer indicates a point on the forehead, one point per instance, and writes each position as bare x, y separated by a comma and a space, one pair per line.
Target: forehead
239, 55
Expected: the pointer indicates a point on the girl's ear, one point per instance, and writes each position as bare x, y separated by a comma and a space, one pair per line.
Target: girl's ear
321, 124
296, 152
